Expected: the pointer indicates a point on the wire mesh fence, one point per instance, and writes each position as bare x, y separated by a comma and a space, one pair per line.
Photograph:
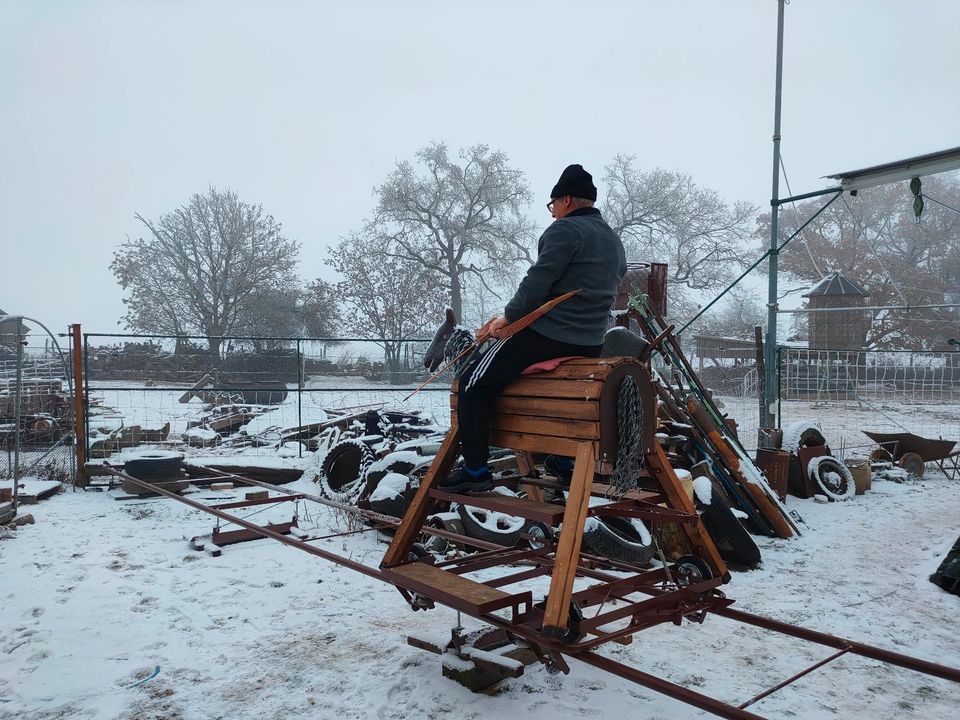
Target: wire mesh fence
881, 391
264, 397
36, 414
272, 398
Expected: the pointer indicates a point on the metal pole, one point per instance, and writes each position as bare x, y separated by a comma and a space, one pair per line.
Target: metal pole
17, 428
767, 417
299, 396
79, 408
86, 398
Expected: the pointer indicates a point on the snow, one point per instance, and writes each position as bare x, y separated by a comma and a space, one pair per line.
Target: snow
793, 431
99, 593
703, 489
392, 485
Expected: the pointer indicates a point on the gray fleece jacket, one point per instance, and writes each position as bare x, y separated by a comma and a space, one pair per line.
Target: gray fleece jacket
576, 251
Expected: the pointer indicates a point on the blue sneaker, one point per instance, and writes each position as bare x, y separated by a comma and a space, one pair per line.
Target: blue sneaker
560, 466
467, 480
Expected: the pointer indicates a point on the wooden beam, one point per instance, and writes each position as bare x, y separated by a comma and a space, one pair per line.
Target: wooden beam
557, 613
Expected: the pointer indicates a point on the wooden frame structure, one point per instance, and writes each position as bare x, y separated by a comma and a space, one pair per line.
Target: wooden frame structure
569, 411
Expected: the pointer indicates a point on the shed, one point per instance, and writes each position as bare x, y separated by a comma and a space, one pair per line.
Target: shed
838, 329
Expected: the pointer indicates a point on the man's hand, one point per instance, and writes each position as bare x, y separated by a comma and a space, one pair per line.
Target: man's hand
491, 327
497, 324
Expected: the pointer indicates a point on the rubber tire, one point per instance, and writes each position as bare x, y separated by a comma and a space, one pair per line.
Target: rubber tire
824, 462
615, 539
812, 437
913, 463
342, 471
573, 634
698, 568
536, 529
149, 465
729, 535
474, 529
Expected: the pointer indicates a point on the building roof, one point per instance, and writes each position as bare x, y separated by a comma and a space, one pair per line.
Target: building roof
836, 284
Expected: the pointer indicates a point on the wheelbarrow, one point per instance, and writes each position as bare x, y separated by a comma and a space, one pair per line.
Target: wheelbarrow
912, 452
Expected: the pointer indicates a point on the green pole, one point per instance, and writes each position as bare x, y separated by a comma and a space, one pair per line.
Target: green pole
767, 418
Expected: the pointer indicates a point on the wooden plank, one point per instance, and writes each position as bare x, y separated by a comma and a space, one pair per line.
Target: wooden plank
535, 443
565, 408
605, 490
420, 507
447, 588
677, 498
508, 505
201, 383
557, 612
579, 429
543, 388
231, 537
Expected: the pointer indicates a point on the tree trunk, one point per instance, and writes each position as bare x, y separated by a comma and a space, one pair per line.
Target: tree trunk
456, 295
214, 346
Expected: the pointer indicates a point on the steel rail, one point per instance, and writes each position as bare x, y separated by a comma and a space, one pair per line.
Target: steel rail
821, 638
555, 647
678, 692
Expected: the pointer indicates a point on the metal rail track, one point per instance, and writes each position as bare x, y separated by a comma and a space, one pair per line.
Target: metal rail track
552, 648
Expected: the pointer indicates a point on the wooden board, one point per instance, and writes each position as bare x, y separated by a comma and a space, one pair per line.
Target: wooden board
448, 588
565, 408
579, 429
557, 612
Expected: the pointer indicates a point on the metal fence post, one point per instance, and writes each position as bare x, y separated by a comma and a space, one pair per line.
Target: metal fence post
18, 421
79, 406
299, 396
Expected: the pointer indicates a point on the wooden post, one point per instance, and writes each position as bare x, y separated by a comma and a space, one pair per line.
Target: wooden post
556, 615
79, 407
417, 513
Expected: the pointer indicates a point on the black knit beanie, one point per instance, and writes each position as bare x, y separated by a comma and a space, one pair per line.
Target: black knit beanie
575, 181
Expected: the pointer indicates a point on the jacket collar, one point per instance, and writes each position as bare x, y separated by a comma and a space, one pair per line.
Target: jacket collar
583, 211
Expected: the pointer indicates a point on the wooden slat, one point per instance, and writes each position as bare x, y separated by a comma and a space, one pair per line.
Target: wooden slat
454, 590
539, 387
516, 506
566, 408
557, 612
579, 429
677, 498
535, 443
604, 490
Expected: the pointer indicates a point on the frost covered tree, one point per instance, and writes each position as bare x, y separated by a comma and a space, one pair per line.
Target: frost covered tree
663, 216
204, 267
457, 217
875, 239
386, 297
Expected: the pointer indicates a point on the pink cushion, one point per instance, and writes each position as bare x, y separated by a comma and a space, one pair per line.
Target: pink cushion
545, 365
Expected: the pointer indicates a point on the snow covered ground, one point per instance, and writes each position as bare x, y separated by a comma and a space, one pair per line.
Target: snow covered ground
107, 613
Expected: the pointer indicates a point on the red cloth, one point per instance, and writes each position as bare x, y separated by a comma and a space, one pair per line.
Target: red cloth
551, 364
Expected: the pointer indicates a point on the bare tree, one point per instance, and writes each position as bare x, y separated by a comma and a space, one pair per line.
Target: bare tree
320, 309
457, 218
663, 216
388, 298
875, 238
204, 267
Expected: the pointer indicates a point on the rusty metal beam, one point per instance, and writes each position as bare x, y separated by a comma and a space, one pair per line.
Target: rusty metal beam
888, 656
704, 702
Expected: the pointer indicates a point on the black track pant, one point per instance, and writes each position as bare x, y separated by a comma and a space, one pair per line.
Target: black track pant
484, 378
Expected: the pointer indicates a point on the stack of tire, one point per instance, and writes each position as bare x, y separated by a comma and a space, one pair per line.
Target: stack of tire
158, 467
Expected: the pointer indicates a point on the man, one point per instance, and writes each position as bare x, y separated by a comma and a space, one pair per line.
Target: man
579, 251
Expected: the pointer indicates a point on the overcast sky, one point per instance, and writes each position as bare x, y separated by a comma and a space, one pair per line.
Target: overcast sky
108, 109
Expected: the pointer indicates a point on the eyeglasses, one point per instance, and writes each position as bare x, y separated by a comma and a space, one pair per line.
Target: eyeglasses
550, 204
